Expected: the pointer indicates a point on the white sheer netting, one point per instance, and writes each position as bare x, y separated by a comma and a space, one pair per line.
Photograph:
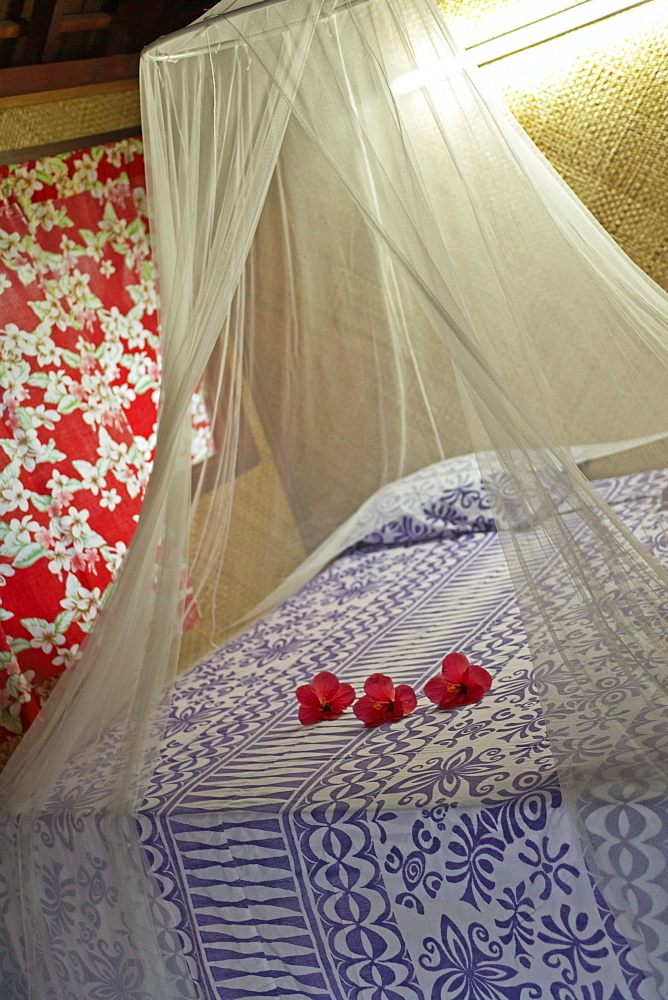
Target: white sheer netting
386, 273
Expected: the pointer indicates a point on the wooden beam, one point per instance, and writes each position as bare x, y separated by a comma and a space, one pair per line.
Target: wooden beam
19, 80
67, 93
97, 21
11, 156
52, 43
136, 24
41, 33
12, 29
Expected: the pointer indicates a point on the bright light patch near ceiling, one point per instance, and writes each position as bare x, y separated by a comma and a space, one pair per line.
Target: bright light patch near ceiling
520, 38
554, 25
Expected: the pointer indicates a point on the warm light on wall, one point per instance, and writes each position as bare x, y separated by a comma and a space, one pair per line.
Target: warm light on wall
554, 25
519, 39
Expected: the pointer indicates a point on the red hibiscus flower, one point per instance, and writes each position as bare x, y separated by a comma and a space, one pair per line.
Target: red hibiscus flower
323, 698
383, 702
460, 683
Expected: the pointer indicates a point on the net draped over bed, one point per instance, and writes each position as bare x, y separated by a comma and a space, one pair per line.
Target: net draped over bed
377, 270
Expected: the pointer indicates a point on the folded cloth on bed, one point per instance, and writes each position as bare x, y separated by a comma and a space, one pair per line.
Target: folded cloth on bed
439, 501
449, 498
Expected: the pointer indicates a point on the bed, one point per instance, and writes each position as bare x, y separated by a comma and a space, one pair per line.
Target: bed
431, 858
425, 859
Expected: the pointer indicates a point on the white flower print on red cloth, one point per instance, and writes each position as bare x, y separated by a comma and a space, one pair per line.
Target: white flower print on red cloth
79, 385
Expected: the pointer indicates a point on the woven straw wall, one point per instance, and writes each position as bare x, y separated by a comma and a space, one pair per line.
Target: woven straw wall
36, 124
595, 102
260, 501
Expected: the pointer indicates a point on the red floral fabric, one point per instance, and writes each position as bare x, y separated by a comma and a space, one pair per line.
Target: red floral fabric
79, 384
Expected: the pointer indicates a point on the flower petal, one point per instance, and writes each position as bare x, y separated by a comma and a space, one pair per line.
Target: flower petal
405, 695
453, 665
394, 713
379, 687
436, 688
453, 700
344, 696
306, 696
471, 694
309, 714
479, 676
371, 711
325, 685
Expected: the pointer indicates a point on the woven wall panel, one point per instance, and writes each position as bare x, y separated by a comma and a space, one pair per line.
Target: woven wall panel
56, 121
475, 21
595, 102
260, 505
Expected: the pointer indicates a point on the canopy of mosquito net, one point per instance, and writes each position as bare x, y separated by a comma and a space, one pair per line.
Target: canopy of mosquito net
374, 269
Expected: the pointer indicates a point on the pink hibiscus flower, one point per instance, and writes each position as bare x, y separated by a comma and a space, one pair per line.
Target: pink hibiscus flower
383, 702
460, 683
324, 698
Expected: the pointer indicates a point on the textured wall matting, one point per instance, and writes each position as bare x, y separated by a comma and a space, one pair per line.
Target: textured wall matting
595, 102
55, 121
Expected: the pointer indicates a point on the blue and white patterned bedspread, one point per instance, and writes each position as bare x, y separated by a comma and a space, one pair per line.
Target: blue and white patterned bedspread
422, 860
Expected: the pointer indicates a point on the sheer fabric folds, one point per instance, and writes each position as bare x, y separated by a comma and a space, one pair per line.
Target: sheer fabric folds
373, 269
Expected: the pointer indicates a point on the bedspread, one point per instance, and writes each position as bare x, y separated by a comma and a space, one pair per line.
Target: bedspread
431, 858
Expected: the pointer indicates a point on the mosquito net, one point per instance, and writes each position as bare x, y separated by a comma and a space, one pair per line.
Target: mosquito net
373, 269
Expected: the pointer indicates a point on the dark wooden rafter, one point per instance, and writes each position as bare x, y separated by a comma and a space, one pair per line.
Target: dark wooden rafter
42, 35
13, 24
136, 24
35, 60
13, 29
95, 21
61, 23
